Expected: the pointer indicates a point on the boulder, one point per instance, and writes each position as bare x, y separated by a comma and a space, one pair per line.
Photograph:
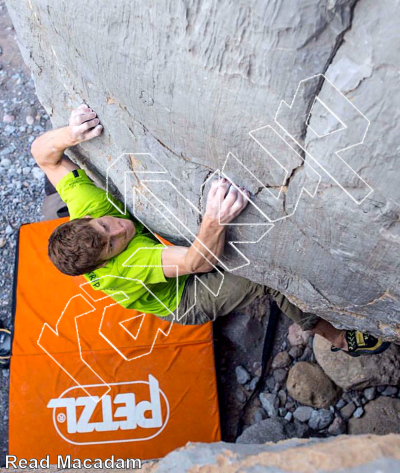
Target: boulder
358, 373
180, 86
344, 454
381, 417
308, 384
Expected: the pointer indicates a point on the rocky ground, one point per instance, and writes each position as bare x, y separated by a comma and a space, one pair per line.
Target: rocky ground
308, 391
22, 118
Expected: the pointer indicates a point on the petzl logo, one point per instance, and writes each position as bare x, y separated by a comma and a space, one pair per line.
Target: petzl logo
131, 411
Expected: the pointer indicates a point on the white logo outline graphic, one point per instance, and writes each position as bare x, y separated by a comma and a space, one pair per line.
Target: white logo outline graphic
337, 153
270, 225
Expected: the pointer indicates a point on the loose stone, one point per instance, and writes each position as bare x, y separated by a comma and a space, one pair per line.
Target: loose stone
303, 413
370, 393
320, 419
389, 391
281, 360
240, 395
338, 426
358, 412
270, 403
253, 383
8, 118
30, 120
289, 416
242, 375
280, 375
347, 411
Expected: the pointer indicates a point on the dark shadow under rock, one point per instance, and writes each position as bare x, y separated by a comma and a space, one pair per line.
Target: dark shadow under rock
239, 340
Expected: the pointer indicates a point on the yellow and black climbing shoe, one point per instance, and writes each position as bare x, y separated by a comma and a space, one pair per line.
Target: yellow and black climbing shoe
5, 348
362, 344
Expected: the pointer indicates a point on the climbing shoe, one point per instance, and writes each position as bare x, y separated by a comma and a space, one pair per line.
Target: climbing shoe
5, 347
362, 344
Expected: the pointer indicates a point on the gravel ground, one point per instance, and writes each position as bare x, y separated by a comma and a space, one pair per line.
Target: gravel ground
22, 118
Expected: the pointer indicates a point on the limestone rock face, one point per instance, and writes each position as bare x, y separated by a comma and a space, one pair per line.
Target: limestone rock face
308, 384
358, 373
344, 454
180, 85
381, 417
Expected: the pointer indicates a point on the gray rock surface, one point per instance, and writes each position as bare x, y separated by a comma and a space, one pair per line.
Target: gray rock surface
188, 82
358, 373
272, 430
381, 417
268, 430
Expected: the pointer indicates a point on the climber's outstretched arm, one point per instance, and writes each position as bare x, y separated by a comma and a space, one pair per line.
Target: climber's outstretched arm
48, 148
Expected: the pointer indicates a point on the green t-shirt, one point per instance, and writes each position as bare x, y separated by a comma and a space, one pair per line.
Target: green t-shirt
139, 263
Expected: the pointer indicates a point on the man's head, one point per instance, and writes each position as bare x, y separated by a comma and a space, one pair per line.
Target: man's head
85, 244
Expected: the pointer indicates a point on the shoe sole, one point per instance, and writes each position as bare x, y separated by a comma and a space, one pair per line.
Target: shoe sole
378, 351
381, 349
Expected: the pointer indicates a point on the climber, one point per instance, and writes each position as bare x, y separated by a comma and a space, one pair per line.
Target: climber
101, 241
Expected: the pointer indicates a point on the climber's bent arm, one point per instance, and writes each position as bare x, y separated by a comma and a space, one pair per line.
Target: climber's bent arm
196, 258
48, 149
